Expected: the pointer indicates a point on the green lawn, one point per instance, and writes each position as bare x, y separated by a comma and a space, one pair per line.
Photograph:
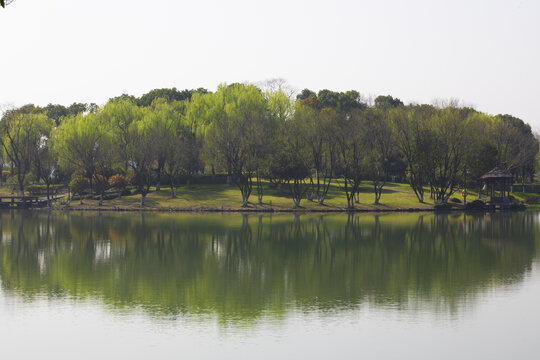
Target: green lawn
227, 197
224, 197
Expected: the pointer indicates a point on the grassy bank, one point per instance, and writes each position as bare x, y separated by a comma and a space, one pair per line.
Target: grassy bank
395, 197
227, 198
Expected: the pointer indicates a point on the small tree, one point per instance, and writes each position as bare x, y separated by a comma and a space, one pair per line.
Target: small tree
78, 185
290, 168
118, 182
101, 184
378, 136
351, 150
83, 143
20, 134
142, 154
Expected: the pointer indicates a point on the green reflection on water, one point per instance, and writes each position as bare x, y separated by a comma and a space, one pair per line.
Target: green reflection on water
240, 267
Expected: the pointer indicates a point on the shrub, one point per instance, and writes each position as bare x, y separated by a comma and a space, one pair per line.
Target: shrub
79, 184
118, 182
5, 174
41, 190
101, 184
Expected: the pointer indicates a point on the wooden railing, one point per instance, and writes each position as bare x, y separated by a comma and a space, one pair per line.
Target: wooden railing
22, 201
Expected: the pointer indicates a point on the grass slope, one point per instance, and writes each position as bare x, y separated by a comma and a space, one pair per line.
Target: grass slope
224, 197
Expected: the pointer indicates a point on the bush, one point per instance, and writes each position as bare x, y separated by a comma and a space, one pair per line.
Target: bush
131, 178
475, 205
79, 184
118, 181
443, 207
100, 184
41, 190
5, 174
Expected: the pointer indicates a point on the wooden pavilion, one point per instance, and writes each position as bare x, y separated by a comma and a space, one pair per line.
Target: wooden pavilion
498, 180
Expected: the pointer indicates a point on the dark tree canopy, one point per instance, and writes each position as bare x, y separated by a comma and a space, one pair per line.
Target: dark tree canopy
168, 94
387, 102
56, 112
124, 97
77, 108
328, 98
305, 94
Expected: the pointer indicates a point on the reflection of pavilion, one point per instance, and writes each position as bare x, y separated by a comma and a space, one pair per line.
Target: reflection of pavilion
498, 180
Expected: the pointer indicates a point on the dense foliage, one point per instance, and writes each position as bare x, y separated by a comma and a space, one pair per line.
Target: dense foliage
301, 145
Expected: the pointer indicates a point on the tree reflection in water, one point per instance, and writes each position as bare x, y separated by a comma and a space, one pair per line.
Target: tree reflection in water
239, 267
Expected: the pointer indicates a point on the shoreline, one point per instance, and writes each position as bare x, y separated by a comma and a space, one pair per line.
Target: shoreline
261, 211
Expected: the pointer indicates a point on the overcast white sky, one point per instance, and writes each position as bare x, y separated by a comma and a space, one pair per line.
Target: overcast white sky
483, 52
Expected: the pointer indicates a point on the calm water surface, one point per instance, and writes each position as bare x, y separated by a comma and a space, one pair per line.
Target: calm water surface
169, 286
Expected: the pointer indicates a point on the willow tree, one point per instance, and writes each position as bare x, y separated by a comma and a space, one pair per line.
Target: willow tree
516, 146
414, 141
351, 151
84, 143
450, 142
45, 162
279, 109
141, 151
237, 128
166, 122
379, 138
181, 144
119, 114
21, 135
290, 160
317, 128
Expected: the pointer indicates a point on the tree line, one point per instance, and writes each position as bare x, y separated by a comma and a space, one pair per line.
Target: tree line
303, 145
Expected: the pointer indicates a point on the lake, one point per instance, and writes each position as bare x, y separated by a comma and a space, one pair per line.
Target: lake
81, 285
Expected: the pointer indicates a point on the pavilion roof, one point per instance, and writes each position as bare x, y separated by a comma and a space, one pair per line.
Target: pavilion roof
497, 173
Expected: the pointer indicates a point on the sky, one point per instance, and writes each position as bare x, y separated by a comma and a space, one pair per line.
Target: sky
485, 53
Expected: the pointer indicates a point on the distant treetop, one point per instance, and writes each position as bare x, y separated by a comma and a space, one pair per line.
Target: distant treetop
387, 102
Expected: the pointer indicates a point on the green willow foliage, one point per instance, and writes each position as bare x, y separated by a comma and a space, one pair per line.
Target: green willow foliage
302, 145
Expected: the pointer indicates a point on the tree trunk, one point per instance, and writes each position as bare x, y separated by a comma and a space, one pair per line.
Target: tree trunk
143, 197
350, 202
173, 191
101, 199
21, 187
158, 185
